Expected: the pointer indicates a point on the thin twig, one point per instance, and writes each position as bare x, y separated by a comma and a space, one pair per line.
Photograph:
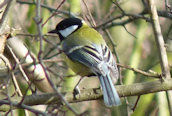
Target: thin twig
49, 8
12, 73
140, 71
117, 4
39, 25
109, 21
11, 105
19, 65
54, 12
2, 102
129, 32
13, 79
135, 105
89, 13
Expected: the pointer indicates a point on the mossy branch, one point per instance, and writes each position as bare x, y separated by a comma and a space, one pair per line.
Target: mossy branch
94, 94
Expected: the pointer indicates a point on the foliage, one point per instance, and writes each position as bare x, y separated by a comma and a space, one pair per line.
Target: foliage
128, 27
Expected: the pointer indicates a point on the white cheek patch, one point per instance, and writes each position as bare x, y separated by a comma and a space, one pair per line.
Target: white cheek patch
68, 31
83, 21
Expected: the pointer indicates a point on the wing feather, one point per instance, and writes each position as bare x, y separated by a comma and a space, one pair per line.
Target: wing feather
94, 56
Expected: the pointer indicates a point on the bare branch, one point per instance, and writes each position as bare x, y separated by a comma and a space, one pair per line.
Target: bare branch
6, 15
94, 94
49, 8
140, 71
161, 47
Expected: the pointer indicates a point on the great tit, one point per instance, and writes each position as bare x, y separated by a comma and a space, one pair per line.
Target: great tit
86, 53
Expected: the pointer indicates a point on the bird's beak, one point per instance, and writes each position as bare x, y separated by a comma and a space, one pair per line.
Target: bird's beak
53, 31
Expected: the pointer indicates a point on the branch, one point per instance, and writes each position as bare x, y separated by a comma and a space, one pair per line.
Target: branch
5, 16
34, 71
159, 40
132, 17
22, 106
140, 71
94, 94
49, 8
4, 28
161, 47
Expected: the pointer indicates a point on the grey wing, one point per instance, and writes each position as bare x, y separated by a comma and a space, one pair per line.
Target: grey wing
95, 57
109, 59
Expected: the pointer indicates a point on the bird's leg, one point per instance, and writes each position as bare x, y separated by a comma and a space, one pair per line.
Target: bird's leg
76, 88
100, 87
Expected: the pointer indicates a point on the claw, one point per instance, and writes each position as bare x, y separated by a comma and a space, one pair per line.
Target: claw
77, 90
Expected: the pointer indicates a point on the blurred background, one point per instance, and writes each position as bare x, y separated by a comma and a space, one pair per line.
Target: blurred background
133, 45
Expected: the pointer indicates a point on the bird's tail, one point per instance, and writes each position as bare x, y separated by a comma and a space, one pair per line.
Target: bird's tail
110, 94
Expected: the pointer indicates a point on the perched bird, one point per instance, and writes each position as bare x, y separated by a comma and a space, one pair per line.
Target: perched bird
87, 54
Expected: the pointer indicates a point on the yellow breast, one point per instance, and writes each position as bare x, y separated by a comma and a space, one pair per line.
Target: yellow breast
77, 67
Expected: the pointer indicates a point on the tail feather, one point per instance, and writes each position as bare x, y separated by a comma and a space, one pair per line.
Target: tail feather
110, 94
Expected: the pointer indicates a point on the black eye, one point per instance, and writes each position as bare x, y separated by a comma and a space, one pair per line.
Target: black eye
64, 27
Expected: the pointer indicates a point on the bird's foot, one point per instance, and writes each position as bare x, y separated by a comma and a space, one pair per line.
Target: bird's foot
76, 90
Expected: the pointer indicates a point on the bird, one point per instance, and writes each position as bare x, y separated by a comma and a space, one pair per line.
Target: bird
87, 54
